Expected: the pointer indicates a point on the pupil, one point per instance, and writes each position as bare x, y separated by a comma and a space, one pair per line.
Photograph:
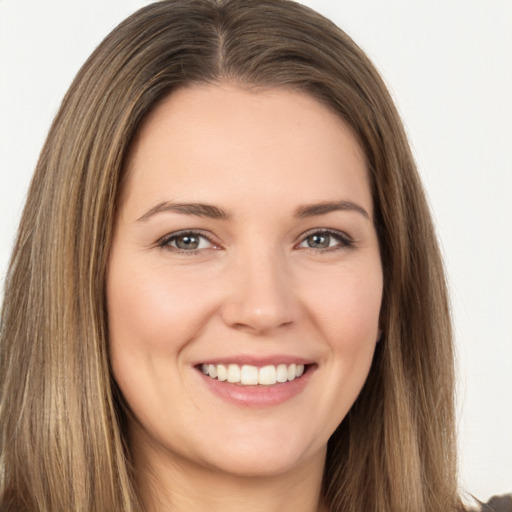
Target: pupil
319, 241
187, 242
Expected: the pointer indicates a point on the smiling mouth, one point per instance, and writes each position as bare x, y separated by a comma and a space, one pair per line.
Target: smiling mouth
249, 375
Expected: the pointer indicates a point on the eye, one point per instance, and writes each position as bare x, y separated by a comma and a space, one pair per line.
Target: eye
326, 240
186, 241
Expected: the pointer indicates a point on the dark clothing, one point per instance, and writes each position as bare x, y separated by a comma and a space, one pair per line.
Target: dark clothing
497, 504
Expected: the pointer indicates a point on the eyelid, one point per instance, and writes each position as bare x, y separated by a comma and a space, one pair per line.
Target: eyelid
346, 241
163, 242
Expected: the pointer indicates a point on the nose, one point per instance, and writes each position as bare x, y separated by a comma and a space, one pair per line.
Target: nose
261, 298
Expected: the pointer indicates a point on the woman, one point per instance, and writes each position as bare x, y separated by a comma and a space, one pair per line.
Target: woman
227, 189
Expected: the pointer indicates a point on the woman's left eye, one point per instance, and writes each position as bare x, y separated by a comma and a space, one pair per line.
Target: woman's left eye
323, 240
186, 241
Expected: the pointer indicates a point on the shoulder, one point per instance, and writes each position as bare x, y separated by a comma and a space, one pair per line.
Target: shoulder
501, 503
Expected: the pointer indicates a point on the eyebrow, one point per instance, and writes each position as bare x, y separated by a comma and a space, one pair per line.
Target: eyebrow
214, 212
196, 209
313, 210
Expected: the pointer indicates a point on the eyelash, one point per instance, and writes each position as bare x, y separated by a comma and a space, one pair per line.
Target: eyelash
344, 241
165, 242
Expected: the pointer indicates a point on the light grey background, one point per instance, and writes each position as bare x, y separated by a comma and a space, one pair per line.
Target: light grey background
448, 64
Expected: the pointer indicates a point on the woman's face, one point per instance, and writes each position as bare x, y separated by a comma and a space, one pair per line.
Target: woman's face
244, 249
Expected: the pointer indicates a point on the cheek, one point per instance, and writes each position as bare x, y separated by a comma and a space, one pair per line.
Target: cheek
347, 306
152, 309
152, 315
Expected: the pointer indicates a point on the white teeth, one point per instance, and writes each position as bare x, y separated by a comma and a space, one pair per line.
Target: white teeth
248, 375
267, 375
233, 373
222, 372
282, 373
212, 370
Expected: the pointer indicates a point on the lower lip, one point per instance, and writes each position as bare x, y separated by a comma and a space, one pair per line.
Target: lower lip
258, 396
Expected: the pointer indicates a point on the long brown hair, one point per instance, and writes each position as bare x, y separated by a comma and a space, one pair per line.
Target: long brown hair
62, 423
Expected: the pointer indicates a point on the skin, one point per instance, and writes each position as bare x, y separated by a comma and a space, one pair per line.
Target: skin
256, 286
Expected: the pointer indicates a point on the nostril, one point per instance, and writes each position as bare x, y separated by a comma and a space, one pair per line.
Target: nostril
260, 327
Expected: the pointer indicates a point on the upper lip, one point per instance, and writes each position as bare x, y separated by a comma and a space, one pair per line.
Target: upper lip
258, 361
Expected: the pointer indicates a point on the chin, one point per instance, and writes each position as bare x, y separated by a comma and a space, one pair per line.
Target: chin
265, 461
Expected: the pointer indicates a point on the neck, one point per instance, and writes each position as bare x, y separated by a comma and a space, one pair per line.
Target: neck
178, 486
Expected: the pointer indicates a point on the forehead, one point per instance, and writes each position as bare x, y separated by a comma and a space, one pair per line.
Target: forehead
211, 141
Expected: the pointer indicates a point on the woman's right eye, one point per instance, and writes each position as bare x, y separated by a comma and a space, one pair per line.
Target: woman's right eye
186, 241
